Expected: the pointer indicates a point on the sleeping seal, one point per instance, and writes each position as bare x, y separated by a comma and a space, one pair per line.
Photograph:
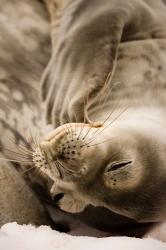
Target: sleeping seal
112, 61
105, 92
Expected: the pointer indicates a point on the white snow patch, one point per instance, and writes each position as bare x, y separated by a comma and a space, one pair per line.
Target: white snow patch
27, 237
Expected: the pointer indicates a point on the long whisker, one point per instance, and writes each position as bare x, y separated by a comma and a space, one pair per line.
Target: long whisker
11, 160
31, 141
70, 130
34, 142
66, 169
87, 132
16, 153
108, 94
90, 126
100, 109
99, 143
107, 118
111, 73
106, 84
29, 169
59, 169
24, 150
115, 119
85, 104
24, 139
21, 147
75, 124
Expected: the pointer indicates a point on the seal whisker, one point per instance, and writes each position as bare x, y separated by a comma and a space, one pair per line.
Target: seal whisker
75, 124
108, 93
97, 143
63, 167
83, 138
16, 153
86, 115
34, 142
24, 150
11, 160
115, 119
25, 122
24, 143
71, 131
109, 116
67, 129
30, 169
105, 86
21, 147
59, 169
84, 121
122, 112
87, 132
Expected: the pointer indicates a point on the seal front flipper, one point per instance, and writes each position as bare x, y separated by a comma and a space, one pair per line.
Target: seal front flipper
85, 45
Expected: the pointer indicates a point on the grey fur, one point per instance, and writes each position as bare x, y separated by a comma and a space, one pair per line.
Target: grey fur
24, 53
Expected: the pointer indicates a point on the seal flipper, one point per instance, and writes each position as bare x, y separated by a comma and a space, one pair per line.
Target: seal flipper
84, 52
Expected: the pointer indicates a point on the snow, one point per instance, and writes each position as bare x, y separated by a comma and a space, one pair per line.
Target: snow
28, 237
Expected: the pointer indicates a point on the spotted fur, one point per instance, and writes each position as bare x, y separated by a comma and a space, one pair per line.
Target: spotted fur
25, 51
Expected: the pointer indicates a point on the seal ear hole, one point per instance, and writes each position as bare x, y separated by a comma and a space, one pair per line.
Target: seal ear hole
117, 166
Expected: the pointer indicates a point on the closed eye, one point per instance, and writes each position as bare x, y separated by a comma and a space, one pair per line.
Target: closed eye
118, 165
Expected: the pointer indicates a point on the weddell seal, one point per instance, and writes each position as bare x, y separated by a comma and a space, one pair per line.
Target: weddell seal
104, 91
104, 94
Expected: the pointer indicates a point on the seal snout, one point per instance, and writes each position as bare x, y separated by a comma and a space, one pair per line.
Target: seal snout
63, 143
67, 141
66, 146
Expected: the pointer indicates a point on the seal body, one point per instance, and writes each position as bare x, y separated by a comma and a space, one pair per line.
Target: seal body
104, 153
112, 71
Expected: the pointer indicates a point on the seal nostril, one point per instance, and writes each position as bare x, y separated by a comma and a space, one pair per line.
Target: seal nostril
57, 197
